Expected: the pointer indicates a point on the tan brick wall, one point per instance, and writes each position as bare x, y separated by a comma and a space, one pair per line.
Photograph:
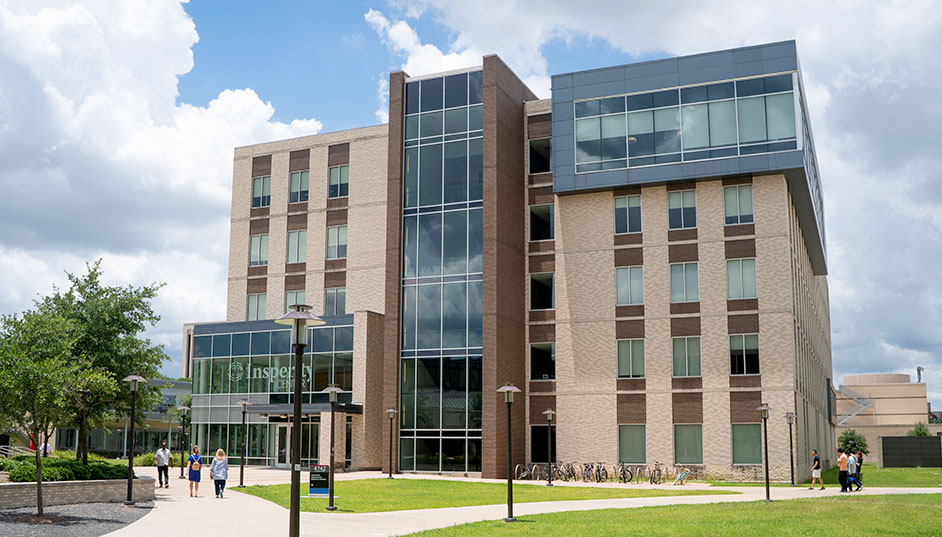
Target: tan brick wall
15, 495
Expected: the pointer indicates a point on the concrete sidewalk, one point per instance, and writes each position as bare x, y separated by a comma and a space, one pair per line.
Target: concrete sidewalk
244, 515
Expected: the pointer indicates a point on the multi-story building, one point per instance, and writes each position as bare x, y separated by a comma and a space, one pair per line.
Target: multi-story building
643, 253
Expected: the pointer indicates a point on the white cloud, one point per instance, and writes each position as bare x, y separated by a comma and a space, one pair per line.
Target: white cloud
100, 161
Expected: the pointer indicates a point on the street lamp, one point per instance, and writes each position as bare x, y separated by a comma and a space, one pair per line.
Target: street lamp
549, 413
764, 409
508, 390
332, 392
299, 318
391, 412
133, 379
790, 418
243, 403
183, 410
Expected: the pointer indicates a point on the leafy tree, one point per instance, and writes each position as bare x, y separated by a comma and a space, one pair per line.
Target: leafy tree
920, 429
108, 347
852, 441
35, 369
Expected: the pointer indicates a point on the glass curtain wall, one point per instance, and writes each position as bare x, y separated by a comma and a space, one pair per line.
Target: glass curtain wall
440, 417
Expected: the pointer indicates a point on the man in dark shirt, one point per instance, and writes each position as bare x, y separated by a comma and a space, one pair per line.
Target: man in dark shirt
816, 470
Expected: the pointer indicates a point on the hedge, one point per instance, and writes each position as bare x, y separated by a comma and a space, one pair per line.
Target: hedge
55, 469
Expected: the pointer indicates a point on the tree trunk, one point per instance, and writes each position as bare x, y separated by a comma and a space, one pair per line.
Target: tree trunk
82, 447
39, 478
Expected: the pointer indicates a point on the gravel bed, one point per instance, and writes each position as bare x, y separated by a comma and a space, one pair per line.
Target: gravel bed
78, 520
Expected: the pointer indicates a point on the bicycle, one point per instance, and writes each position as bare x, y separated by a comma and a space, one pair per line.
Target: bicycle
567, 472
623, 473
527, 471
600, 474
680, 477
656, 474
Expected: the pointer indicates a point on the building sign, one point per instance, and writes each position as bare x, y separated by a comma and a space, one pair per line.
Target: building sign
320, 480
279, 377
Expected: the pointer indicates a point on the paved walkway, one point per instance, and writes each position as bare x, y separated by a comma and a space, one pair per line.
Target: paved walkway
244, 515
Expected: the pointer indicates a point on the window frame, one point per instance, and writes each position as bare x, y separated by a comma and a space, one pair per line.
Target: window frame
742, 287
670, 282
629, 270
295, 293
530, 208
340, 181
674, 434
552, 353
683, 224
739, 221
306, 191
732, 444
252, 238
262, 203
530, 149
631, 374
627, 215
530, 291
744, 361
298, 247
686, 357
336, 246
248, 306
644, 444
335, 291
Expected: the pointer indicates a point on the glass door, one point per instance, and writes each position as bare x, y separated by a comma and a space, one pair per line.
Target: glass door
283, 447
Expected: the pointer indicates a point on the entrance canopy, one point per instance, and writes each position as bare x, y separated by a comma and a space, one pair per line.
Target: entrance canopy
308, 409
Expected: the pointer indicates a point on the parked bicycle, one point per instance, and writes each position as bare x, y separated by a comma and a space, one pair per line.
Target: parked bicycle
528, 471
680, 476
656, 474
623, 473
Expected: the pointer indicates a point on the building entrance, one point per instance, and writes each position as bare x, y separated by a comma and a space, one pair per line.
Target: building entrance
283, 446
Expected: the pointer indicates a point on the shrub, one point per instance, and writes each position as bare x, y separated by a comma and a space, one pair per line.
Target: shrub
920, 429
68, 470
147, 459
8, 464
852, 441
69, 454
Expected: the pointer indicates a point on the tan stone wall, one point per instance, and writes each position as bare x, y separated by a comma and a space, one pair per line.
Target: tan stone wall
893, 404
15, 495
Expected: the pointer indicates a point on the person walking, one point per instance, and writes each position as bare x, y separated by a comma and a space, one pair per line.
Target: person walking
842, 469
816, 470
162, 460
219, 470
852, 472
859, 468
194, 463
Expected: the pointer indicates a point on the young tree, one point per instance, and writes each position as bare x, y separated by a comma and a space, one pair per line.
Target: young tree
851, 441
920, 429
35, 369
109, 321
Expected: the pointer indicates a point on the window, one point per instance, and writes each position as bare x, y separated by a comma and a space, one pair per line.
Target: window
338, 181
261, 191
337, 242
258, 250
688, 444
299, 183
686, 356
541, 291
747, 443
628, 214
629, 286
297, 246
540, 155
631, 444
292, 298
335, 301
737, 203
682, 209
741, 278
631, 358
538, 442
256, 307
541, 222
542, 361
685, 285
744, 354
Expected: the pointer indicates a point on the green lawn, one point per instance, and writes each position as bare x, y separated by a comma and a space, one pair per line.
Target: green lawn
896, 515
374, 495
871, 476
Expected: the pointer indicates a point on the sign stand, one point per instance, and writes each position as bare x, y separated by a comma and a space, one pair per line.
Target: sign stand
319, 481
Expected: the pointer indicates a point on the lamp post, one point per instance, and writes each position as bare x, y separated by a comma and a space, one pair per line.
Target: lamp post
332, 392
764, 409
243, 403
133, 379
549, 413
391, 412
299, 318
790, 418
183, 410
508, 390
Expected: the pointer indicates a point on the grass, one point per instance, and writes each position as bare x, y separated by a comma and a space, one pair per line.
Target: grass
375, 495
894, 515
871, 476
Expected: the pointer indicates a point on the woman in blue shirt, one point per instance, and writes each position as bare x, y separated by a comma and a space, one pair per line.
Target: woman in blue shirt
194, 463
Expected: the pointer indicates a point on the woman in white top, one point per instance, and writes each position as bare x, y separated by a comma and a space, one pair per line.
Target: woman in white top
219, 470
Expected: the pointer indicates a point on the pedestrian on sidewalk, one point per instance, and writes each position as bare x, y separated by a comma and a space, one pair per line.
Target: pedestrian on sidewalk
219, 470
842, 467
859, 468
194, 464
162, 460
816, 470
852, 472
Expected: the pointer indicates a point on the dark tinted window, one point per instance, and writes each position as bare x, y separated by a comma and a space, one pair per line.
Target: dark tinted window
774, 84
202, 346
431, 94
693, 95
343, 338
541, 222
412, 97
240, 344
612, 105
475, 87
221, 345
664, 98
758, 86
720, 91
587, 108
281, 342
540, 155
323, 340
261, 343
542, 361
456, 90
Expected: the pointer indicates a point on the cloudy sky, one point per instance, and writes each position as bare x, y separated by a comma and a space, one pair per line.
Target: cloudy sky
118, 120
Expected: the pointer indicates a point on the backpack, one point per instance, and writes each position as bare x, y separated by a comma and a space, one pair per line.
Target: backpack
195, 465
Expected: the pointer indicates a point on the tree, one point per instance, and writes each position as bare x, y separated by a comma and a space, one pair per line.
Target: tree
851, 442
108, 347
35, 369
920, 429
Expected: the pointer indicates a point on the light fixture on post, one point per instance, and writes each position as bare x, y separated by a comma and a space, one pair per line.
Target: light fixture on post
764, 412
134, 380
391, 412
508, 390
183, 410
790, 418
331, 392
549, 413
299, 318
242, 452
